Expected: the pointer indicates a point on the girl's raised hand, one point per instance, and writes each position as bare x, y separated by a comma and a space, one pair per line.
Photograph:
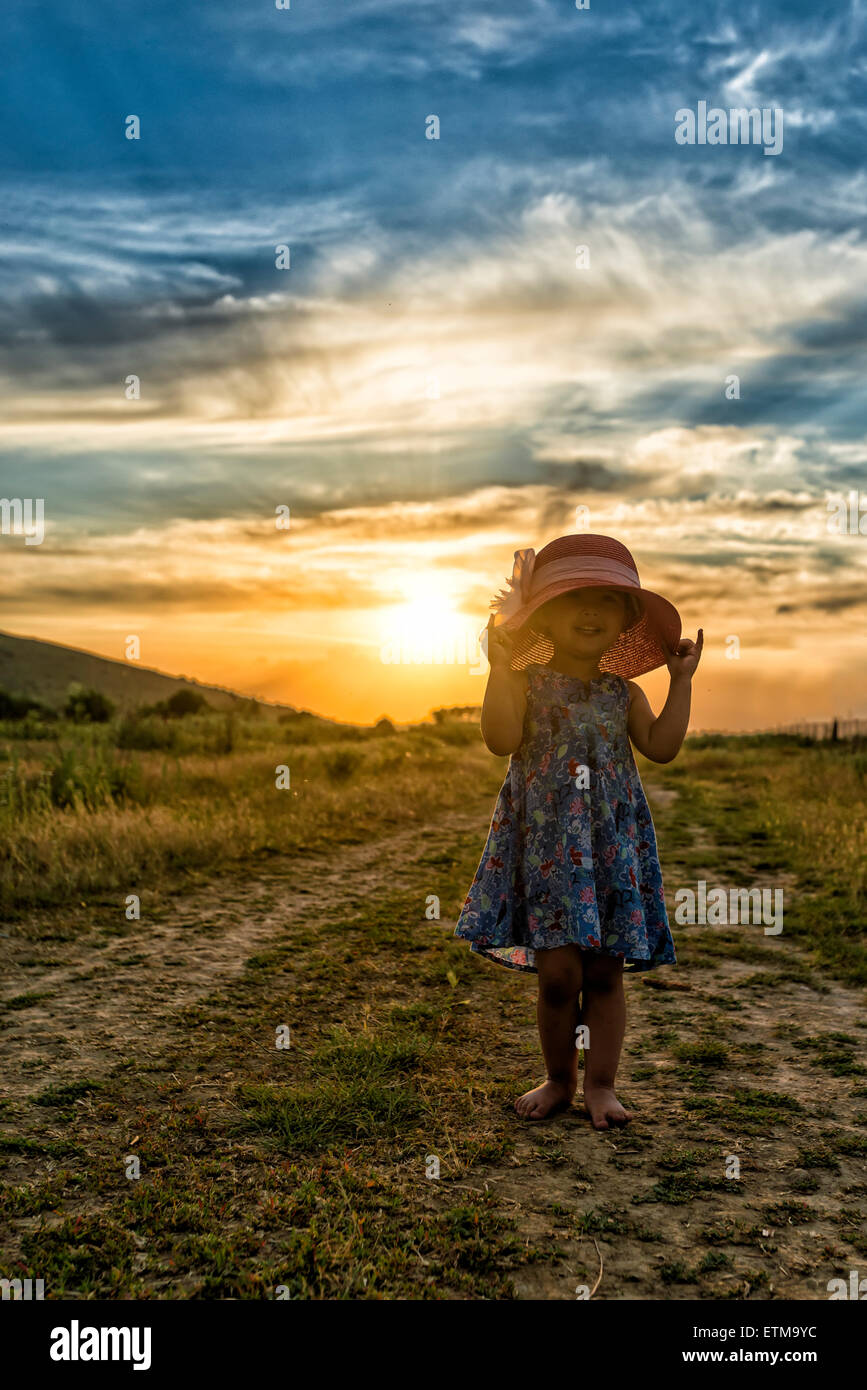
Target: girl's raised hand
500, 647
684, 661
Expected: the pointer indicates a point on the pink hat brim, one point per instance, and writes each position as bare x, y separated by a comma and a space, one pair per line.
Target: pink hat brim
641, 648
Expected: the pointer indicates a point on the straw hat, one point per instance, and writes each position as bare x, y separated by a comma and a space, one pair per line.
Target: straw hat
579, 562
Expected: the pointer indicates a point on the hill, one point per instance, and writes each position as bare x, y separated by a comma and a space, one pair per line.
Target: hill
45, 670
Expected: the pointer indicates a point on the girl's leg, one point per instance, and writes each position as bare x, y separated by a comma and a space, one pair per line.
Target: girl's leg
603, 1012
557, 1015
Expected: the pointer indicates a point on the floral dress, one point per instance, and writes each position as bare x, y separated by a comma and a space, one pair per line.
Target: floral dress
571, 852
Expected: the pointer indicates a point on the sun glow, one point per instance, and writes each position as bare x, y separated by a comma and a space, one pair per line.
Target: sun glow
429, 612
427, 628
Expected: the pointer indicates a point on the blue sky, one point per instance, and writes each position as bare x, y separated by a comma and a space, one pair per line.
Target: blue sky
433, 383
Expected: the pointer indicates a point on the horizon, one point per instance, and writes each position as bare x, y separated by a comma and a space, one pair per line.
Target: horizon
859, 716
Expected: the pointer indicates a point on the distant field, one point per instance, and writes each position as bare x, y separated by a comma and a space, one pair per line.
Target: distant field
309, 909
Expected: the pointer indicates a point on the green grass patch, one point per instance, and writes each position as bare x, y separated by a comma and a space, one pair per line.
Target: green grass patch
66, 1094
745, 1110
330, 1115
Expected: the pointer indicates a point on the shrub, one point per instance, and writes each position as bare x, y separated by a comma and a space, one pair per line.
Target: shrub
69, 780
88, 706
177, 706
145, 732
341, 765
465, 713
20, 706
184, 702
91, 782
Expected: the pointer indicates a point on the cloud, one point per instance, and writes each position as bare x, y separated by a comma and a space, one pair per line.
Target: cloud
435, 380
835, 603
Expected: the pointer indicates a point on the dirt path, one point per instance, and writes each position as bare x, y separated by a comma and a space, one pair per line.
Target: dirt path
110, 998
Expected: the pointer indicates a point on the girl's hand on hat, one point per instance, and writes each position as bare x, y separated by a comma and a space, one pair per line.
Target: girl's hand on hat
684, 660
500, 647
505, 702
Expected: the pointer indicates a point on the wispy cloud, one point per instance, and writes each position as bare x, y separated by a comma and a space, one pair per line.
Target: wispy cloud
435, 380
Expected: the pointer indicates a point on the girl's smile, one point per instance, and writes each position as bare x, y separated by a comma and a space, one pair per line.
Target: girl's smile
585, 622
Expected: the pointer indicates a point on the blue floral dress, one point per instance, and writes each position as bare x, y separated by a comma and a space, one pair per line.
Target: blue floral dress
571, 853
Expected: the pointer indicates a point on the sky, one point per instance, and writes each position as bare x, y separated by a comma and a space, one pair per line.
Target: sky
284, 478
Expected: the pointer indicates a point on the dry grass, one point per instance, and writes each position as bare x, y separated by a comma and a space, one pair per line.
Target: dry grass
129, 820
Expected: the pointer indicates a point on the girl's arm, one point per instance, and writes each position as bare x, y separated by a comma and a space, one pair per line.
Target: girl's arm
660, 738
505, 699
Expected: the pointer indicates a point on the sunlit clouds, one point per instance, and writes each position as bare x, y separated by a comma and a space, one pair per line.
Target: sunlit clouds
436, 381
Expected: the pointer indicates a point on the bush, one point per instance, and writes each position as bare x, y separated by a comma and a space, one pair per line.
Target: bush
184, 702
38, 724
249, 709
70, 779
145, 732
87, 706
312, 728
340, 766
91, 782
465, 713
177, 706
19, 706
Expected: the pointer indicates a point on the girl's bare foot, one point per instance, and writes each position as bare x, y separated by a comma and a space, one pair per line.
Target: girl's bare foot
545, 1100
604, 1108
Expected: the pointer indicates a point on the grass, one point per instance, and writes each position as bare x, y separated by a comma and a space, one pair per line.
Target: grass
750, 797
63, 1095
834, 1052
745, 1110
357, 1162
25, 1001
701, 1054
321, 1117
83, 817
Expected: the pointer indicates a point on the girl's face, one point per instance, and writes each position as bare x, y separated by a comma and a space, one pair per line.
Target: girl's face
585, 622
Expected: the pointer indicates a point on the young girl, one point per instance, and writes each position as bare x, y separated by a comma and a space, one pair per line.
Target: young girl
569, 885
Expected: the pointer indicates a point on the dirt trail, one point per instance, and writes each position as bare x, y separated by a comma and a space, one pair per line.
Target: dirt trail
111, 999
